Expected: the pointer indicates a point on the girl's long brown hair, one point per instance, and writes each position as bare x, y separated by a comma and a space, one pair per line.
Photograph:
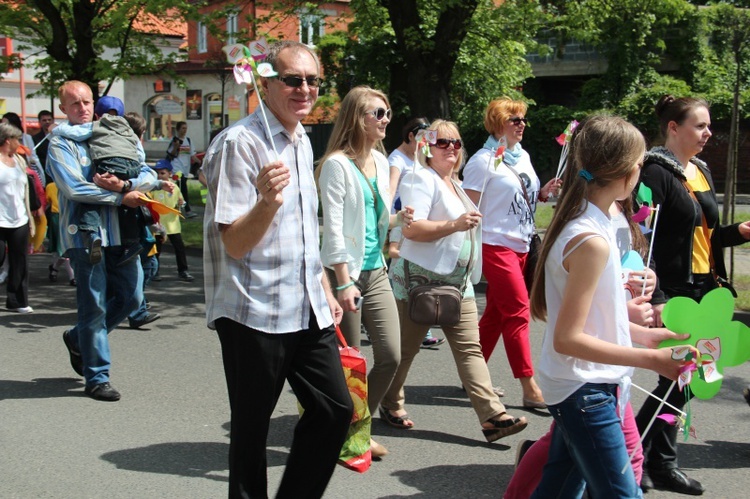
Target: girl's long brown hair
609, 148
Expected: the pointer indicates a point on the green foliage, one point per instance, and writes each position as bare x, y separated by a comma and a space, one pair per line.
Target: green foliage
545, 124
631, 34
638, 106
492, 63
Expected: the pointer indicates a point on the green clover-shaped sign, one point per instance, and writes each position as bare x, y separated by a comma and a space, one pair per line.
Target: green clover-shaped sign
711, 318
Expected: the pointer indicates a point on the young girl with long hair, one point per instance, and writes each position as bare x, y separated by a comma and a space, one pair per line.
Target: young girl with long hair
587, 351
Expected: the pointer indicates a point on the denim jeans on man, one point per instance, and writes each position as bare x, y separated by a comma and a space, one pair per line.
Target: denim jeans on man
150, 266
107, 294
588, 448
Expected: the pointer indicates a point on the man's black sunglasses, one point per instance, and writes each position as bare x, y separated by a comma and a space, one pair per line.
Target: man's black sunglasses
297, 81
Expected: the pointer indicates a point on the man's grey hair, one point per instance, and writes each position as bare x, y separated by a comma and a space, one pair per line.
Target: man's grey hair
276, 48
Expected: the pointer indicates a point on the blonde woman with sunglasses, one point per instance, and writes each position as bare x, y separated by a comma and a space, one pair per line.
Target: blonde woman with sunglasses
354, 183
509, 195
442, 245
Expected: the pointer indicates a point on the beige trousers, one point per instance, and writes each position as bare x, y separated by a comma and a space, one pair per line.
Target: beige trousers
463, 339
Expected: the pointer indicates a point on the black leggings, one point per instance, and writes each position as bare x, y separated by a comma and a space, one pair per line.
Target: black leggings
16, 240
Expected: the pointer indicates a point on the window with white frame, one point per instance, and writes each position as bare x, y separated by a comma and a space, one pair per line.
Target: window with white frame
231, 28
202, 38
311, 28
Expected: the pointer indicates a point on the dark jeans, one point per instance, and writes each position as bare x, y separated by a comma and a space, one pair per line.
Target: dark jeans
185, 192
89, 218
587, 448
256, 364
17, 242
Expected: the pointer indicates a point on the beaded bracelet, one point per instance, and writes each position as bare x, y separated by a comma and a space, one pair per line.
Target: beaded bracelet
344, 286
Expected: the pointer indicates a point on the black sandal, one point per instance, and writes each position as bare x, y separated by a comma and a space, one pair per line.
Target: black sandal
52, 273
395, 421
504, 428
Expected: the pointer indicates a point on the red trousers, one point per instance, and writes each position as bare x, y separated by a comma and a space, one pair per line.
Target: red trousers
507, 311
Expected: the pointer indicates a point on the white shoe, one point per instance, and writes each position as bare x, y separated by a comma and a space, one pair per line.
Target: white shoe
22, 310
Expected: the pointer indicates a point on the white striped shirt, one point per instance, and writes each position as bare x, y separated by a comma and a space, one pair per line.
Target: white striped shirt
274, 287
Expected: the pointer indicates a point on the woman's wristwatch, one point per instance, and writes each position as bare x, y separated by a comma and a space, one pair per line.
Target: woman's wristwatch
126, 186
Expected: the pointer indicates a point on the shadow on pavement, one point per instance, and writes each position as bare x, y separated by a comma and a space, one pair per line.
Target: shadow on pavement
201, 459
440, 481
190, 459
40, 388
718, 455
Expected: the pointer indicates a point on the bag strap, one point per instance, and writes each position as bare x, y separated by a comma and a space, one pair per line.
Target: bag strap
341, 338
407, 275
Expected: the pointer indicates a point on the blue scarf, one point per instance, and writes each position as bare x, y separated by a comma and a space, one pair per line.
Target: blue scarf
512, 154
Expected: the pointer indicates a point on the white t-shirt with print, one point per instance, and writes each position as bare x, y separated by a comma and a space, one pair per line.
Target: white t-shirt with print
507, 220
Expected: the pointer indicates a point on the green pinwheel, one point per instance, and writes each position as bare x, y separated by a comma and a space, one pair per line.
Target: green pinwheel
709, 319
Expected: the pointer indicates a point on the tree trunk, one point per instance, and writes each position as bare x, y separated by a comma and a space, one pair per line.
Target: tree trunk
429, 61
731, 174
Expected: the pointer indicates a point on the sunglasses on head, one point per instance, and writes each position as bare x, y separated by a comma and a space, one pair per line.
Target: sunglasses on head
446, 143
517, 121
297, 81
380, 113
421, 126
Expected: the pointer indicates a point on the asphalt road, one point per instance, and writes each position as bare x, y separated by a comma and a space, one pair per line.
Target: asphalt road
167, 437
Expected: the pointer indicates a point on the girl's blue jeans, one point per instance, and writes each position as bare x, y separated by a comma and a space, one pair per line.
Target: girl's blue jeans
588, 448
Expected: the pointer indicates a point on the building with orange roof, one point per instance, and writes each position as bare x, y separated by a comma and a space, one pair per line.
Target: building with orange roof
210, 99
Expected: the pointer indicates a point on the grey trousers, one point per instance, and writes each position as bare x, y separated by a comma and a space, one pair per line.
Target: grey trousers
380, 317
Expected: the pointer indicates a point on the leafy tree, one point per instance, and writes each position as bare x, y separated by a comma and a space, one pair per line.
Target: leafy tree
439, 59
72, 36
731, 42
631, 34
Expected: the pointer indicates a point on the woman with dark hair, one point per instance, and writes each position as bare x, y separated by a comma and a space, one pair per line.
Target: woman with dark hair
353, 179
688, 244
15, 217
401, 159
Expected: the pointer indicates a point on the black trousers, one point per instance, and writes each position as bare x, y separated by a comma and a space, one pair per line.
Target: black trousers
17, 242
179, 251
185, 192
256, 364
660, 444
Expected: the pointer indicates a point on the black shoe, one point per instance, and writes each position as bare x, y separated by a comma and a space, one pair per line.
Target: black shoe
646, 482
76, 361
186, 276
52, 274
523, 447
103, 391
746, 394
130, 253
148, 319
676, 480
95, 251
73, 282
